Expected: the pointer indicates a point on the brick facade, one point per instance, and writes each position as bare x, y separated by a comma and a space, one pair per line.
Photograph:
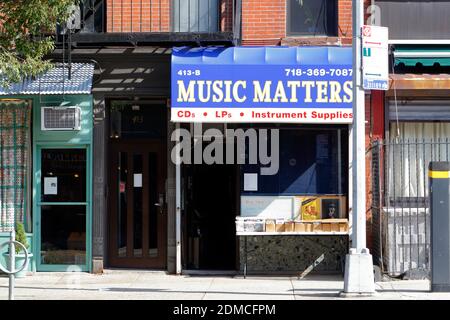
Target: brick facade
153, 15
138, 16
263, 24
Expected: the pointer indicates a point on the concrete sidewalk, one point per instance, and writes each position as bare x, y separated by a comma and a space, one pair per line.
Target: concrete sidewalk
115, 284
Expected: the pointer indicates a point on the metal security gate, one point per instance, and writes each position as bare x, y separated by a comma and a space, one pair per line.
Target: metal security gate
400, 203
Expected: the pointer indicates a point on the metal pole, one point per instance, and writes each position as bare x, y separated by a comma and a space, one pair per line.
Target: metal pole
359, 278
12, 264
178, 204
359, 163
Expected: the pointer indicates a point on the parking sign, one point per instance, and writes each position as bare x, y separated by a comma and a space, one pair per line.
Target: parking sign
375, 62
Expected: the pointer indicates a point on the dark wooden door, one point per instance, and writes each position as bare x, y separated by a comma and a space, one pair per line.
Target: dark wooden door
138, 219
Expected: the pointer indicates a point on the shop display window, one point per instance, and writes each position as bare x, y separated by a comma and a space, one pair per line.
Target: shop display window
312, 162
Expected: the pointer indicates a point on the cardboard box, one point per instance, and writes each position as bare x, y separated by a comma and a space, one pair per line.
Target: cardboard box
343, 227
280, 226
326, 227
334, 227
300, 226
270, 225
308, 226
289, 226
316, 226
254, 225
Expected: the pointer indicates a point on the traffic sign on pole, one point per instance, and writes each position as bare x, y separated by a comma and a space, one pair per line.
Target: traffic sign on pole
375, 53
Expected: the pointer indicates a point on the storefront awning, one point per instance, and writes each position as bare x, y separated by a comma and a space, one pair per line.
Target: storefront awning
419, 81
56, 81
262, 84
427, 56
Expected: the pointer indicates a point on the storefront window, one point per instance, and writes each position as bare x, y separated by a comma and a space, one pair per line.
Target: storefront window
312, 162
15, 205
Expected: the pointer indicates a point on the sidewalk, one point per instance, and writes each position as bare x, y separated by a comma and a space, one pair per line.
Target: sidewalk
114, 284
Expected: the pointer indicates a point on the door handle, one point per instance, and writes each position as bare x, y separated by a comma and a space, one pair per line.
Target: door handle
160, 204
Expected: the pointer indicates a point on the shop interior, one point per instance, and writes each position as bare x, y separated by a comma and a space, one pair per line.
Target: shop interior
211, 209
313, 165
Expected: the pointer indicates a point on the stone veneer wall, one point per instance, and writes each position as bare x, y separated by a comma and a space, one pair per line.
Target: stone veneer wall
293, 253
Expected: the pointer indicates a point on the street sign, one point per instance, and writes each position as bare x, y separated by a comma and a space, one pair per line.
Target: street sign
375, 62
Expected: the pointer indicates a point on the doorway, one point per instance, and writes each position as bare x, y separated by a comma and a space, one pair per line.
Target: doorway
211, 208
63, 207
137, 221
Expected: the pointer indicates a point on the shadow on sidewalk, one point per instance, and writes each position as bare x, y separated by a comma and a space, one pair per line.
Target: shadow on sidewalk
298, 292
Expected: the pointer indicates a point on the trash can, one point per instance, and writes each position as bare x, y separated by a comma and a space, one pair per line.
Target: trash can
439, 175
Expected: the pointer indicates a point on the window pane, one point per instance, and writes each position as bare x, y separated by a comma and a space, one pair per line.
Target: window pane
312, 17
63, 175
153, 198
122, 205
310, 163
137, 121
63, 230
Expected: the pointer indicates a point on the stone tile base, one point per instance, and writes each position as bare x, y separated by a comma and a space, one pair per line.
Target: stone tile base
293, 253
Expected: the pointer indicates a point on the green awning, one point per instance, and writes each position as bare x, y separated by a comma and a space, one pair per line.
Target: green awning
427, 56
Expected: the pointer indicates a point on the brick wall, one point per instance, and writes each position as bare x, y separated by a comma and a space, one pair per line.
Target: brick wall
152, 15
264, 23
138, 15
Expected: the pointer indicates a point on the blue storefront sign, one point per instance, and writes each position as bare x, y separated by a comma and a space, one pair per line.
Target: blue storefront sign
264, 84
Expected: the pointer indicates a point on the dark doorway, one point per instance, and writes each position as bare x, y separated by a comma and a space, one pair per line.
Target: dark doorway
211, 210
137, 173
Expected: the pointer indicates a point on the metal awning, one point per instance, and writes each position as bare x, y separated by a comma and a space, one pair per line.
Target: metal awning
262, 84
427, 56
411, 81
75, 78
263, 56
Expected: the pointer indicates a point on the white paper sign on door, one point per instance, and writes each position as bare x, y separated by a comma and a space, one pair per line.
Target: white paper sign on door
50, 185
137, 180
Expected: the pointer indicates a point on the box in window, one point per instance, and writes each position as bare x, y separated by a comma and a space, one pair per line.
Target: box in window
280, 226
270, 225
308, 226
334, 227
317, 226
326, 227
343, 227
239, 225
300, 226
289, 226
254, 225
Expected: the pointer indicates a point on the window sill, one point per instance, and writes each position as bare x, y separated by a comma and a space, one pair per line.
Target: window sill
294, 40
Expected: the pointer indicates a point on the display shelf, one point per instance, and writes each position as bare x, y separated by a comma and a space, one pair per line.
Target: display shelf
319, 233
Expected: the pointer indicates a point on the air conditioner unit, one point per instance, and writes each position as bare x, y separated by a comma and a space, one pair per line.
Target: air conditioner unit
61, 118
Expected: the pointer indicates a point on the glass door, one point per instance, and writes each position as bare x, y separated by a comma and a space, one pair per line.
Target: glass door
63, 209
